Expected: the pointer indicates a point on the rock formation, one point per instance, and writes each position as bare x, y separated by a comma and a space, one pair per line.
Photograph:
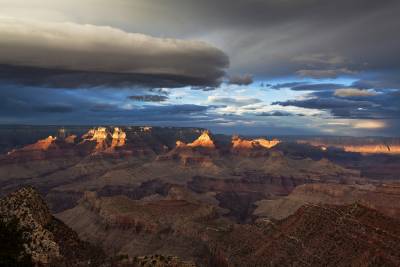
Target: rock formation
44, 144
161, 261
204, 140
45, 239
325, 235
100, 136
238, 143
373, 149
384, 198
37, 151
254, 147
118, 138
105, 141
32, 216
364, 146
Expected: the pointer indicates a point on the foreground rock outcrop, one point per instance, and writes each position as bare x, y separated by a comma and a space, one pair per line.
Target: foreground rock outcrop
44, 239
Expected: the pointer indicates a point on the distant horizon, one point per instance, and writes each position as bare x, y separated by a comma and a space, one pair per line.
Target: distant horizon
193, 127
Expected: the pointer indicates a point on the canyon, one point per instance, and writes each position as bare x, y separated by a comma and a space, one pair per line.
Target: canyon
180, 195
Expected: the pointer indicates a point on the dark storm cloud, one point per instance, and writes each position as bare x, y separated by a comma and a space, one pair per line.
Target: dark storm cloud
237, 102
52, 78
309, 37
54, 108
176, 109
286, 85
71, 55
316, 87
24, 105
246, 79
149, 98
382, 80
275, 114
266, 38
305, 86
101, 107
203, 88
382, 105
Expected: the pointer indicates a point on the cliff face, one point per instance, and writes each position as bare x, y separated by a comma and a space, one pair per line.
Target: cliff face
45, 239
32, 215
384, 198
152, 216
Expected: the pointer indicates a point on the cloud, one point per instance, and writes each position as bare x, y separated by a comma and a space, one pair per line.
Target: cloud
368, 124
75, 55
100, 107
245, 79
325, 103
329, 73
236, 102
316, 86
275, 114
383, 105
203, 88
287, 85
176, 109
314, 59
353, 92
149, 98
62, 108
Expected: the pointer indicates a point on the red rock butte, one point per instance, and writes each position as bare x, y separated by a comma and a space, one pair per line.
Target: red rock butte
204, 140
105, 141
238, 143
43, 144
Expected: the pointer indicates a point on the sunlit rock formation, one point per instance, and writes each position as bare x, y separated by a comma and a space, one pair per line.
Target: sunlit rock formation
199, 153
373, 149
364, 146
118, 138
238, 143
105, 141
146, 129
251, 147
204, 140
71, 139
98, 135
36, 151
267, 143
43, 144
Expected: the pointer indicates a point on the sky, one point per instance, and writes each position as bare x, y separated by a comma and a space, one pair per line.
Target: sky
254, 67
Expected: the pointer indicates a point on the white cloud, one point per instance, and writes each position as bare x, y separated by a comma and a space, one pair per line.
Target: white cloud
368, 124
